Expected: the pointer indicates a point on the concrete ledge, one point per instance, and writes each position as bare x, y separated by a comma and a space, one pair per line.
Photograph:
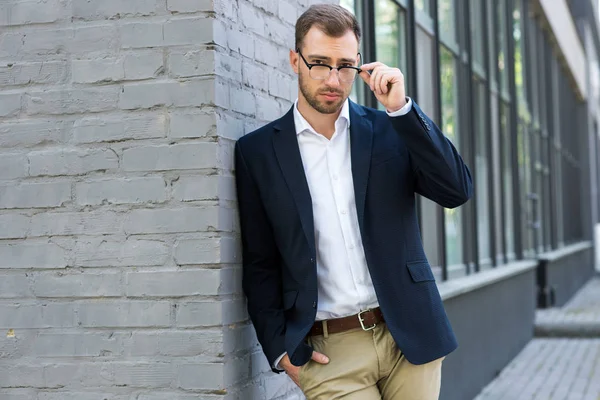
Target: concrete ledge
459, 286
565, 251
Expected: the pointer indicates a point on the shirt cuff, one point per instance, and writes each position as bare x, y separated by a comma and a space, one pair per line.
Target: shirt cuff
276, 363
403, 111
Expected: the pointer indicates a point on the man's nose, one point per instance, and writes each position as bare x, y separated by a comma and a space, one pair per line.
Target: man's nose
333, 79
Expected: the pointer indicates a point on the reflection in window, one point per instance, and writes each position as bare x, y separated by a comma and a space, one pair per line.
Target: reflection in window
477, 37
453, 228
502, 44
507, 180
481, 168
519, 65
423, 5
447, 20
390, 31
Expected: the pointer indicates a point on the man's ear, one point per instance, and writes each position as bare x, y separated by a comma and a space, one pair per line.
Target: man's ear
294, 60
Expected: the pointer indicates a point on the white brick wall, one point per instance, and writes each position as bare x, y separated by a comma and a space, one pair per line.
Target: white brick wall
119, 254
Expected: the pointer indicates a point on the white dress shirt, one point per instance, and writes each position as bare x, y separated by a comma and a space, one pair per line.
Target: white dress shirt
343, 279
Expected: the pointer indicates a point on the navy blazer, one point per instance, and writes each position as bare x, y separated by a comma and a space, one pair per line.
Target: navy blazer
392, 159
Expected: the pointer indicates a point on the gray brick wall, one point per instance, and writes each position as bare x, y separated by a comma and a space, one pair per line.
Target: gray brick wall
119, 247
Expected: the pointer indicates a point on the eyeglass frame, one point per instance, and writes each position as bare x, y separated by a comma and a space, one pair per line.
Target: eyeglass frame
310, 66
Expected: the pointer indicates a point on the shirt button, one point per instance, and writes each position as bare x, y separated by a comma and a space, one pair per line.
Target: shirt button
351, 247
343, 212
335, 177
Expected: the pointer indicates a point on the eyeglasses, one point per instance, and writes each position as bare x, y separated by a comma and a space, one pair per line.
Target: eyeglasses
346, 73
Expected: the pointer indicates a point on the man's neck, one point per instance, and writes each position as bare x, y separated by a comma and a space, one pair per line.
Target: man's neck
324, 124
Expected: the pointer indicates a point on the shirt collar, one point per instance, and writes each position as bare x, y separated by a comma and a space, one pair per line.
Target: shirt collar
303, 125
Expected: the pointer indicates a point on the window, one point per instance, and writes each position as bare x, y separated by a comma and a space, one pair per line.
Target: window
453, 222
482, 189
447, 21
507, 179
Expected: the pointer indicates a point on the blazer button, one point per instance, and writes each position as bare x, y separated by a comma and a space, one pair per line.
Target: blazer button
315, 304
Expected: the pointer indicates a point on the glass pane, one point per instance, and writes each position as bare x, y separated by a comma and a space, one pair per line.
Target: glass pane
476, 14
519, 64
497, 181
502, 45
482, 168
390, 35
423, 5
453, 228
357, 93
447, 20
425, 73
507, 181
491, 48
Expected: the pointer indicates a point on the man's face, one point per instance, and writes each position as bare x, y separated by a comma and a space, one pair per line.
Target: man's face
326, 96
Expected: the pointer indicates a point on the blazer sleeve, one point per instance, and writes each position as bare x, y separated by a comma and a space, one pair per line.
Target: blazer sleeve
261, 273
440, 172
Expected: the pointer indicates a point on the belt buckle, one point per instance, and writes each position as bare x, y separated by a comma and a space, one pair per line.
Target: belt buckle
362, 321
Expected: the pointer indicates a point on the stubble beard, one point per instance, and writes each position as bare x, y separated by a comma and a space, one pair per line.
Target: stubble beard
324, 107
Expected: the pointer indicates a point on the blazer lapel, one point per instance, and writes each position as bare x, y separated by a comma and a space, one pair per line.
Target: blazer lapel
288, 155
361, 142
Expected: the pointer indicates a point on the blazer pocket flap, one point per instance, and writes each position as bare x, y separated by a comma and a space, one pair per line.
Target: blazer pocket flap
289, 299
420, 271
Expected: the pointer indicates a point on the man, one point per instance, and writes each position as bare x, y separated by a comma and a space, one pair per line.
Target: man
339, 289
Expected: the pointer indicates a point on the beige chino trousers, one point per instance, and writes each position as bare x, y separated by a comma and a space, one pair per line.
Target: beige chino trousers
367, 365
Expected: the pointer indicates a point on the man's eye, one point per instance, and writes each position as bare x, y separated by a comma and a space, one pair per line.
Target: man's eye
318, 62
346, 65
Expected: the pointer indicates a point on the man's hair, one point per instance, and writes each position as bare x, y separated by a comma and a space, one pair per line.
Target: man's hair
331, 19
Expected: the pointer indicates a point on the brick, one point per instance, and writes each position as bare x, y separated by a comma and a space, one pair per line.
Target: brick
251, 18
61, 375
146, 95
229, 127
267, 108
240, 42
171, 221
206, 251
71, 162
77, 41
186, 124
212, 376
172, 396
254, 76
228, 67
279, 32
188, 31
21, 375
32, 255
190, 6
288, 12
76, 223
124, 314
192, 188
145, 375
279, 84
113, 8
81, 396
10, 104
17, 394
239, 338
13, 12
119, 128
35, 195
102, 252
242, 101
175, 157
143, 64
267, 53
176, 283
75, 101
39, 315
210, 313
141, 34
270, 6
27, 134
24, 73
187, 63
77, 285
14, 226
77, 345
121, 191
219, 92
190, 343
98, 70
14, 285
13, 166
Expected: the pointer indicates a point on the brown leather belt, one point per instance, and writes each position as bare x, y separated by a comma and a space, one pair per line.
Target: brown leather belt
366, 320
